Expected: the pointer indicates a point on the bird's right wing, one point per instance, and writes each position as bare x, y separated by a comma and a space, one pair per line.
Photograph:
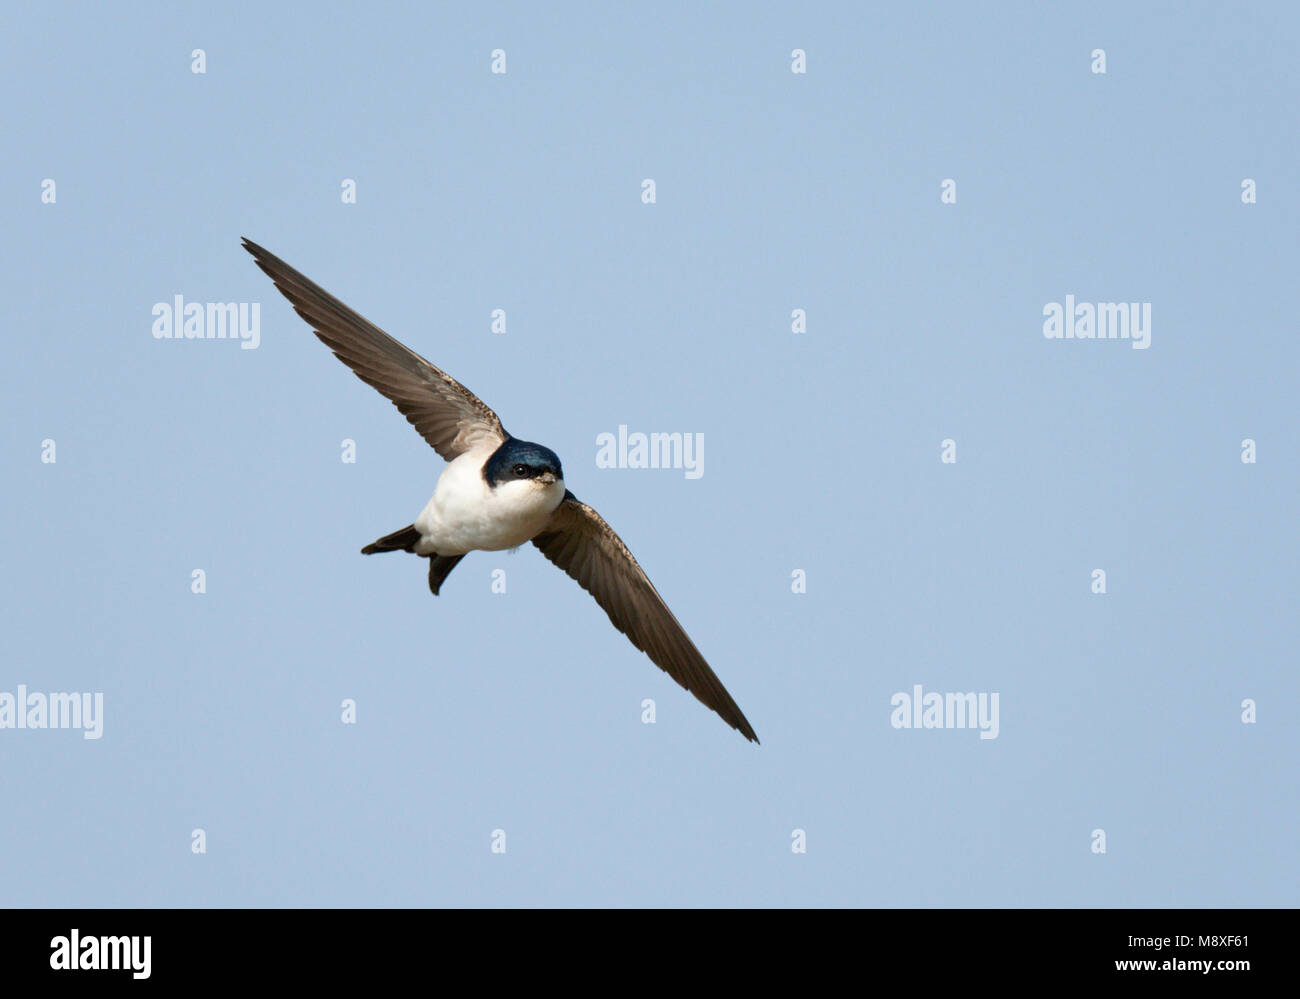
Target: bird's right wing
578, 540
447, 414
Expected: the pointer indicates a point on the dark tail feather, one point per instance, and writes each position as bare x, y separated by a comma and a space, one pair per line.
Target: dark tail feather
399, 541
440, 567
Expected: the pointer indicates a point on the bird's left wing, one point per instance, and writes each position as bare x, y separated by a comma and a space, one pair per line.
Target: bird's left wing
447, 414
578, 540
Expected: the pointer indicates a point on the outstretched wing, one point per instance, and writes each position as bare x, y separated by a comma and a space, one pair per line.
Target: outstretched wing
578, 540
447, 414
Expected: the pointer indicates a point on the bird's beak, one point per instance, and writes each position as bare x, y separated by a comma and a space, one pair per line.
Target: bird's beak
546, 478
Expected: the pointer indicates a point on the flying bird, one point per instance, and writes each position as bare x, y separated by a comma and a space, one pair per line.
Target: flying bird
498, 492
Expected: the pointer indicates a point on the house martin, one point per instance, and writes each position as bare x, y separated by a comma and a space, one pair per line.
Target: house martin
498, 492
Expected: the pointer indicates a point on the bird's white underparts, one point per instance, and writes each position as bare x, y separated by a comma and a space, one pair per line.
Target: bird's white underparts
466, 513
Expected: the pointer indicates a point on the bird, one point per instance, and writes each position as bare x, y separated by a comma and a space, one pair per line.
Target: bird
498, 492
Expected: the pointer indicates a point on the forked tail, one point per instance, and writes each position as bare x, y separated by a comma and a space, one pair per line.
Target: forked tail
404, 541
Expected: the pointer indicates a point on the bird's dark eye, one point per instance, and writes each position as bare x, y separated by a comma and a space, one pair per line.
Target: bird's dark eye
520, 470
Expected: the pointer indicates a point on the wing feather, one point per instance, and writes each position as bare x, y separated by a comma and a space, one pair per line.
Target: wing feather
579, 541
447, 414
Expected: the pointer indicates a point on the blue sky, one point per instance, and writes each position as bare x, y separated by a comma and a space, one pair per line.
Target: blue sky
775, 191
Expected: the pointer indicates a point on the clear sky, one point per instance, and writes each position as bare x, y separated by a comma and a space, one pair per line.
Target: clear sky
775, 191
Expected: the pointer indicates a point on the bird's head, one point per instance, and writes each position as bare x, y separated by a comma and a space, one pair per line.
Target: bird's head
516, 461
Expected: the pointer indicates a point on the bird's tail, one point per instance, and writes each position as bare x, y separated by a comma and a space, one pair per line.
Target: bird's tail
399, 541
404, 541
440, 567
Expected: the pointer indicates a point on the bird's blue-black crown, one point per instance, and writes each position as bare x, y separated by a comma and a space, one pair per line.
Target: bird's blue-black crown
516, 459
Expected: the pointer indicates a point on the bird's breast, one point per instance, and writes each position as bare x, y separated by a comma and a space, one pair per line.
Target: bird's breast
466, 514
